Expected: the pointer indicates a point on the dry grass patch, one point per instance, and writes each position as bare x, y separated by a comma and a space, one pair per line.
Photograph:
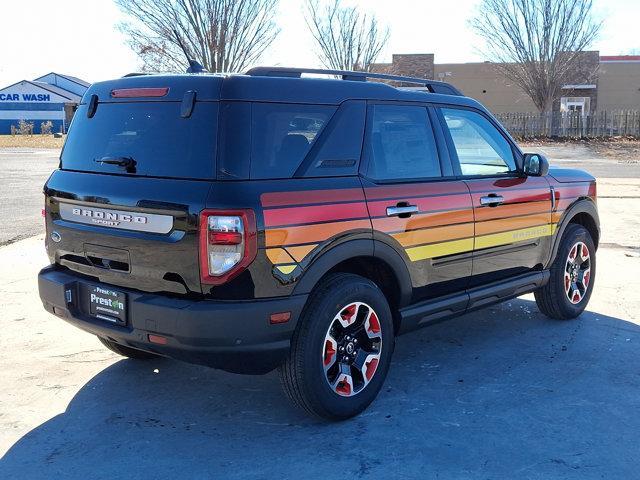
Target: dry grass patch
31, 141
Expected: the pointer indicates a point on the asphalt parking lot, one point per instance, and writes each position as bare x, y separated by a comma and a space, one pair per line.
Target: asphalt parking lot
23, 172
499, 393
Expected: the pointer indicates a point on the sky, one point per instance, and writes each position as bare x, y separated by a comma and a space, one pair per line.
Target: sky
81, 38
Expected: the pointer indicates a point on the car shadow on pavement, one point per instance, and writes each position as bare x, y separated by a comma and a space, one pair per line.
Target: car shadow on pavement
503, 392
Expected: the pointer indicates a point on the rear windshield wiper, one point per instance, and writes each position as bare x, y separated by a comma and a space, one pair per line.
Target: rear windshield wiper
128, 163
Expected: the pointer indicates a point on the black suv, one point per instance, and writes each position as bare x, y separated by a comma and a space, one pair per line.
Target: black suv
272, 220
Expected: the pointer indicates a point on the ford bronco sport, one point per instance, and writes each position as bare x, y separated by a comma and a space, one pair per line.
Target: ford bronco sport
273, 220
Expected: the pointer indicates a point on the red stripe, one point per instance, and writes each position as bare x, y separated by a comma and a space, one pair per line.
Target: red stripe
416, 190
517, 196
424, 204
477, 186
319, 213
279, 199
574, 190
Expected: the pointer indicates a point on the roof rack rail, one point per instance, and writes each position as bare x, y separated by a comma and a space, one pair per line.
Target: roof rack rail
432, 85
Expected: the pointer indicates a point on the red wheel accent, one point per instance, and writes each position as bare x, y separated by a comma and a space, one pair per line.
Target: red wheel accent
374, 323
573, 253
586, 277
371, 368
349, 313
329, 353
576, 296
585, 252
343, 388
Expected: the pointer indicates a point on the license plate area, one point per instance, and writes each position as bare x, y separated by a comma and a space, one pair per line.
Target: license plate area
107, 304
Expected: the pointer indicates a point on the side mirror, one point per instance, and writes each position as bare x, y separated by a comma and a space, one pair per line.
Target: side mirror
535, 165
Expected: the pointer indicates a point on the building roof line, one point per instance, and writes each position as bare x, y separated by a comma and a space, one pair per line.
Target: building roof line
42, 86
76, 80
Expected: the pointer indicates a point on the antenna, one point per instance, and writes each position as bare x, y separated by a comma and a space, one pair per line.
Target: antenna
194, 67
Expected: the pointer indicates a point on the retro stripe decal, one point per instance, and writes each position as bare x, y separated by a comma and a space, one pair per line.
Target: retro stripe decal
440, 249
311, 233
296, 223
513, 236
314, 214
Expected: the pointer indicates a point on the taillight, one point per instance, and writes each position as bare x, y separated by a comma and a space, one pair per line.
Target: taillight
227, 244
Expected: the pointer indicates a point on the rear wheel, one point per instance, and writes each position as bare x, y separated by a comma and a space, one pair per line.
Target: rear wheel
573, 271
341, 350
127, 351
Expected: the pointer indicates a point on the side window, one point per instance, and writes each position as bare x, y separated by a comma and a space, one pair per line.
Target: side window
481, 148
401, 143
337, 150
282, 135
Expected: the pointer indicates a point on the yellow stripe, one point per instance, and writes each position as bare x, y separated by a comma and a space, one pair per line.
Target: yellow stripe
485, 241
440, 249
286, 269
496, 239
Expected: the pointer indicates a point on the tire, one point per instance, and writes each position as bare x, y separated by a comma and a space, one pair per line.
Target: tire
556, 299
313, 374
127, 351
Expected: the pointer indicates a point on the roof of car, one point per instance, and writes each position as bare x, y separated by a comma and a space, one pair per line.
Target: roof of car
268, 88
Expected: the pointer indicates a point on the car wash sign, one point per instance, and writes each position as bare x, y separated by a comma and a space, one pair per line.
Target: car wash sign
25, 97
30, 93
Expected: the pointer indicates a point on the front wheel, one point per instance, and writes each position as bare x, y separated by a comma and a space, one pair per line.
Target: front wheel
341, 350
572, 275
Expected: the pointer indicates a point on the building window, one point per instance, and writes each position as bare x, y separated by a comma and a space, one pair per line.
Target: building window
575, 104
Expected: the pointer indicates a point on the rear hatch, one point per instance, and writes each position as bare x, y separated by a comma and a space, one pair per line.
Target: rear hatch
134, 173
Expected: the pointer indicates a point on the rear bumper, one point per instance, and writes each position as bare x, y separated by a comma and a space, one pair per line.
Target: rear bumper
231, 335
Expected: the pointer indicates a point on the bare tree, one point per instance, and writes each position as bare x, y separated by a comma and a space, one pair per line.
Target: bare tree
537, 43
222, 35
347, 39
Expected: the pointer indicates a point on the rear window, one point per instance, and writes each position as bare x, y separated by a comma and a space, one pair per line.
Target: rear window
282, 135
161, 142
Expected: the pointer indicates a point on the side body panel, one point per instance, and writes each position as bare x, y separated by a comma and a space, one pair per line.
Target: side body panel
436, 242
512, 237
574, 193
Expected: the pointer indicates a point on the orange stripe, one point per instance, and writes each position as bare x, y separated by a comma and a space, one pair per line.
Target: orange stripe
515, 223
422, 220
278, 255
311, 233
491, 213
433, 235
298, 253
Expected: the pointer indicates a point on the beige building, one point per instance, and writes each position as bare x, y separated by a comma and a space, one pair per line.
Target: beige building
601, 83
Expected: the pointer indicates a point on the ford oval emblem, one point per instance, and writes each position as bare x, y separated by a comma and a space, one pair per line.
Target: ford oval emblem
56, 237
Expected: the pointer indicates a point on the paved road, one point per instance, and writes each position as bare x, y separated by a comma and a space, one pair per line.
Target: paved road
580, 156
23, 172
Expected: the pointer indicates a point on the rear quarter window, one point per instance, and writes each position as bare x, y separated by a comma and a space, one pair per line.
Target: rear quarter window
282, 135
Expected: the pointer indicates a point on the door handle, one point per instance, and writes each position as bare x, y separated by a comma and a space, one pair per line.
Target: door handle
402, 211
491, 200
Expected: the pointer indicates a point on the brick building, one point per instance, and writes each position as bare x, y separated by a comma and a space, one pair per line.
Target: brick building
600, 83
